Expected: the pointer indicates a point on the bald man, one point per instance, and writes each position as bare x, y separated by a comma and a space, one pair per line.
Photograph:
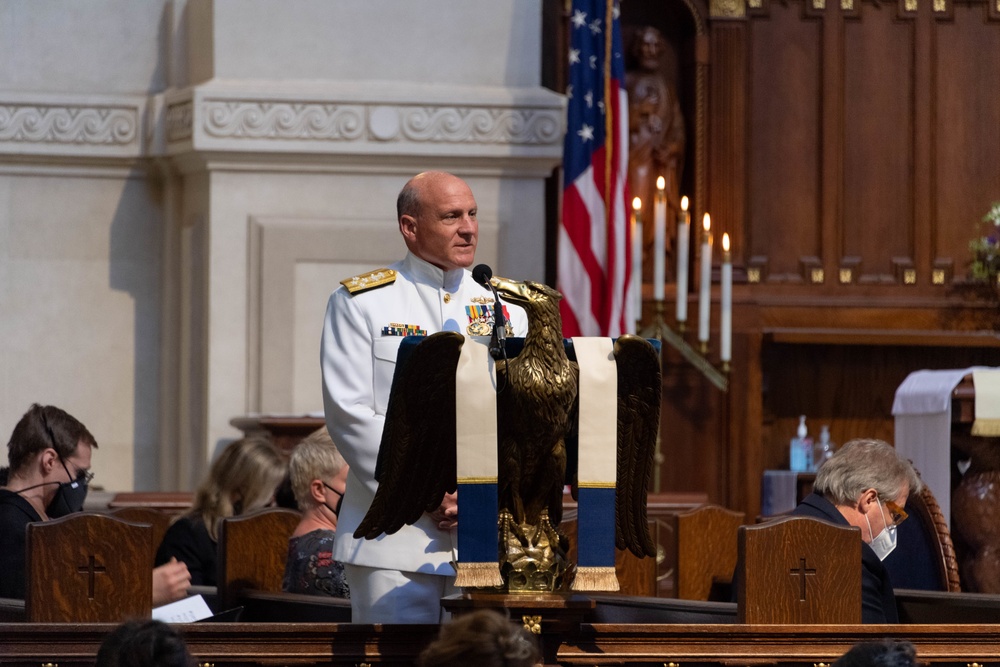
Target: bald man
401, 578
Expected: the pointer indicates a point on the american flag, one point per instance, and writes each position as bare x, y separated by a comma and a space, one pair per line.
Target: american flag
594, 267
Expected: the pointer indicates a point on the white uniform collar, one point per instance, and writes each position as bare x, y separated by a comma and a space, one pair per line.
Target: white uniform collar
426, 272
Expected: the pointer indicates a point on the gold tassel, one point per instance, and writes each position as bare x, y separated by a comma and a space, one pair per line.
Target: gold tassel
595, 579
478, 575
986, 427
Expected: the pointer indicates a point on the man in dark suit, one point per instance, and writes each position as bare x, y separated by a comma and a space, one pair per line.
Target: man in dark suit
866, 484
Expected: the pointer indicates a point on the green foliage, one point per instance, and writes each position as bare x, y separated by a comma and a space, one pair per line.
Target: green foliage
985, 248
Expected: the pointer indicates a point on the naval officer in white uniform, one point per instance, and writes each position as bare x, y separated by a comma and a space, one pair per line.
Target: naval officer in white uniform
401, 578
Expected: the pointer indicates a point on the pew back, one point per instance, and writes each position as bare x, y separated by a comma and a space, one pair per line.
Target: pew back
253, 550
706, 552
88, 568
799, 570
158, 520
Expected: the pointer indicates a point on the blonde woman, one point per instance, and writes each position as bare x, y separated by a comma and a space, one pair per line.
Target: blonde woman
319, 478
243, 478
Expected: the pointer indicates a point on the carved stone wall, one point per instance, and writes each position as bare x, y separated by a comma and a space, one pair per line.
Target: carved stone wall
175, 207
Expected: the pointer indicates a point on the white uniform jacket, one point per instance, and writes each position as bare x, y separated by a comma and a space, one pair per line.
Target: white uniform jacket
361, 336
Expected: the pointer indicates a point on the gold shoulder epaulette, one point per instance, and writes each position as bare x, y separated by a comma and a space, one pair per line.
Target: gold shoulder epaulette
370, 280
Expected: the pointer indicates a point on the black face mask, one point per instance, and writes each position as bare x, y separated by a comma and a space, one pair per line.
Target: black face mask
340, 500
69, 497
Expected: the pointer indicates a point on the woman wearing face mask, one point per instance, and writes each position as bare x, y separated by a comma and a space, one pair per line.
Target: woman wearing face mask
866, 485
49, 454
319, 479
243, 478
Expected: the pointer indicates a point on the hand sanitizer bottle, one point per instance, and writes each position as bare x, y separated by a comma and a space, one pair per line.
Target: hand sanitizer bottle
800, 451
823, 449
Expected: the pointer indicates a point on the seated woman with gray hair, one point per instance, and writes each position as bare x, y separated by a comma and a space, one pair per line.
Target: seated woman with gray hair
319, 478
866, 484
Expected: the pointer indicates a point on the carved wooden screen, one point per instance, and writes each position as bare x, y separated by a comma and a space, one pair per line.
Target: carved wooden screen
853, 141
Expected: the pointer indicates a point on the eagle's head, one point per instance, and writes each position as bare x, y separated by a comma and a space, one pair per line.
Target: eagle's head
528, 294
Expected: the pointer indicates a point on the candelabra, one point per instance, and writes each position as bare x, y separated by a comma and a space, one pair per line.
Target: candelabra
675, 339
660, 330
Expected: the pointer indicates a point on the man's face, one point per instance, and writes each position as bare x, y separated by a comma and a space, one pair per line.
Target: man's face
445, 230
79, 461
63, 471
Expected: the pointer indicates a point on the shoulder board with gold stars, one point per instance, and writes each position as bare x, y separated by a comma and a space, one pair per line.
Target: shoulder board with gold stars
370, 280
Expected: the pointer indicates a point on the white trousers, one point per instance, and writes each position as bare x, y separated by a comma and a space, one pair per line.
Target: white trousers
391, 596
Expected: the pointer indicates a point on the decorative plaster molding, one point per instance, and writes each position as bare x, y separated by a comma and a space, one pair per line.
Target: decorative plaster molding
479, 125
248, 119
312, 121
73, 124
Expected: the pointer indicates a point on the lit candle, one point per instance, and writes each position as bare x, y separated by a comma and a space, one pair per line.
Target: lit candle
683, 239
705, 295
726, 304
637, 257
659, 238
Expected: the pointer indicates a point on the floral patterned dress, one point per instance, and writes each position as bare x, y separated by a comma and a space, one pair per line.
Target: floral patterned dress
310, 567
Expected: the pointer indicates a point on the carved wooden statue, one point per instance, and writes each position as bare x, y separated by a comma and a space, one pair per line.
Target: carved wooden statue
656, 133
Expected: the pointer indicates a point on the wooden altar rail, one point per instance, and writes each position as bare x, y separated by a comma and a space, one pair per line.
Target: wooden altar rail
246, 644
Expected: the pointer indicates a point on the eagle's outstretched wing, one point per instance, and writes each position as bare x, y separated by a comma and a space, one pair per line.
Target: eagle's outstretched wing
417, 454
638, 423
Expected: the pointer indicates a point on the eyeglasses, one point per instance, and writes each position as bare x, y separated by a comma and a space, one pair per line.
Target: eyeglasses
896, 513
83, 476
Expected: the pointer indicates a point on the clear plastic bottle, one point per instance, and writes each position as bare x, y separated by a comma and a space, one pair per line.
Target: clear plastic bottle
823, 449
800, 449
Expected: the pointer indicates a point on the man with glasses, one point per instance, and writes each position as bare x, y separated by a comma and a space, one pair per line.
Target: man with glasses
49, 454
866, 484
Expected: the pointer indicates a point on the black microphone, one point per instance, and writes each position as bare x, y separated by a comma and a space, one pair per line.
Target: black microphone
482, 274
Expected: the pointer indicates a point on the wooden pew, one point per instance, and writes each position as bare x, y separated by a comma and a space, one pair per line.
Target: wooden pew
799, 570
171, 502
918, 606
253, 549
800, 645
706, 552
88, 567
634, 609
270, 607
347, 645
157, 519
11, 610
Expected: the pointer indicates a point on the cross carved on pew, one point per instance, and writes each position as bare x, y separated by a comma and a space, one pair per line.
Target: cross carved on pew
802, 571
91, 569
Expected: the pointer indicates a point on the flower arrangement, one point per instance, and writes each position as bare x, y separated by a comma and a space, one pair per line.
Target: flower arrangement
985, 266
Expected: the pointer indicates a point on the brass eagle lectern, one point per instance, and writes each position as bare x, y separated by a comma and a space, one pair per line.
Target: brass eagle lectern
537, 435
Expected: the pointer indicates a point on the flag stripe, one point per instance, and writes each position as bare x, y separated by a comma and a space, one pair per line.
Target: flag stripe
594, 238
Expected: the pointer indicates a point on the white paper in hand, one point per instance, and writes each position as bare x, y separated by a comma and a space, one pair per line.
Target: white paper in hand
186, 610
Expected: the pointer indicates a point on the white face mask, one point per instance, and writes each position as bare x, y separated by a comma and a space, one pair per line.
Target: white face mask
885, 542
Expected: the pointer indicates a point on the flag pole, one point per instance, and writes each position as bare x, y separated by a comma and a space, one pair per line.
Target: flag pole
609, 113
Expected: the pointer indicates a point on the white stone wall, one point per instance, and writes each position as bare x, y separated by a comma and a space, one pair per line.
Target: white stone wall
183, 183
